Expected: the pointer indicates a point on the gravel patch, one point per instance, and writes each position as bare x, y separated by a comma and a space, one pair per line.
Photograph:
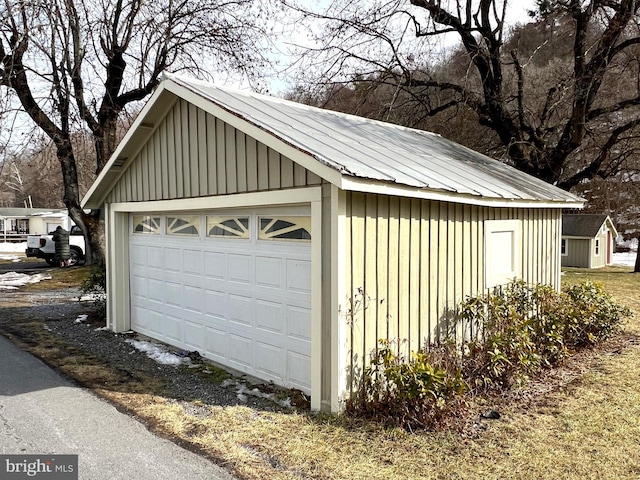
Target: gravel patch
187, 384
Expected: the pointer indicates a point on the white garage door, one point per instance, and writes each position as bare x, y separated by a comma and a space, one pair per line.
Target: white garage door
235, 287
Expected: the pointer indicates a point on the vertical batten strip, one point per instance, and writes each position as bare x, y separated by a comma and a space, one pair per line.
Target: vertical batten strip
221, 170
423, 295
414, 275
404, 252
241, 156
172, 178
193, 160
458, 259
186, 150
263, 167
203, 154
230, 159
443, 279
252, 164
370, 314
434, 253
154, 163
382, 277
212, 172
394, 273
179, 153
274, 169
346, 296
286, 170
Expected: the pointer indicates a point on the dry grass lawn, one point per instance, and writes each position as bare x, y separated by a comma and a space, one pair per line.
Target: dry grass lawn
580, 422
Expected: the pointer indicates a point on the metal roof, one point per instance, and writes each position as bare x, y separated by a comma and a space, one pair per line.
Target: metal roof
363, 151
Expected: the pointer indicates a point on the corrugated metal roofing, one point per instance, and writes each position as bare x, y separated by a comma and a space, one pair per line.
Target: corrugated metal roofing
374, 150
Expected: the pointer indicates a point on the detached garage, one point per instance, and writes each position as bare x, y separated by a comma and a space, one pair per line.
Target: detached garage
283, 240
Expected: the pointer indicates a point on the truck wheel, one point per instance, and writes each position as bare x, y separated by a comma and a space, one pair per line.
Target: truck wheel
76, 257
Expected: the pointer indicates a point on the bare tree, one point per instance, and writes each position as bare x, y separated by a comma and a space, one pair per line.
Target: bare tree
563, 121
77, 65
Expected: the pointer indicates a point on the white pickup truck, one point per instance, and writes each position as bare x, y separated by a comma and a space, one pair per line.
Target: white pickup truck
43, 246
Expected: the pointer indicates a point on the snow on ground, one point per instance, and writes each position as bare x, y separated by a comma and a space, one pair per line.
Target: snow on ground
625, 259
158, 353
13, 280
9, 251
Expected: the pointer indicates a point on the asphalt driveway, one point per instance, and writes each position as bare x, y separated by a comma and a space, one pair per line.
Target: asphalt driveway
43, 413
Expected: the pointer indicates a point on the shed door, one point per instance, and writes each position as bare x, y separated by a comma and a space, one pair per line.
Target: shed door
236, 288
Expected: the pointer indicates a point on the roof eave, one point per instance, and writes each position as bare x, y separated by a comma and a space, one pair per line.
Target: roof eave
387, 188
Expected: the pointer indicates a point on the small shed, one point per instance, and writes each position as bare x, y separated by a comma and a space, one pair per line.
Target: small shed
283, 241
588, 240
16, 223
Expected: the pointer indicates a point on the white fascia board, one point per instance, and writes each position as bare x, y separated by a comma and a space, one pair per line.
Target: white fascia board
297, 154
609, 222
278, 197
368, 186
573, 237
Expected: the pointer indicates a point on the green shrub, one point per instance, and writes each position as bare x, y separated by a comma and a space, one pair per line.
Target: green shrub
518, 330
95, 284
410, 394
522, 328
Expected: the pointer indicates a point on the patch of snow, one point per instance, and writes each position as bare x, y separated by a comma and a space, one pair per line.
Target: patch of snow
81, 318
8, 247
157, 353
242, 392
13, 280
624, 259
101, 329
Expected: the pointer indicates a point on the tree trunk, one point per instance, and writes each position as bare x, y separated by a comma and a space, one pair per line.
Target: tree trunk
636, 268
89, 223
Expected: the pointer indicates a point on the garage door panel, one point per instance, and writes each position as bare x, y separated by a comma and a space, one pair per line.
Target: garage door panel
299, 276
299, 323
269, 361
245, 303
241, 309
170, 291
153, 321
194, 335
240, 268
173, 328
216, 303
241, 352
269, 272
216, 344
172, 259
139, 286
155, 258
298, 370
192, 298
269, 316
215, 265
138, 255
192, 262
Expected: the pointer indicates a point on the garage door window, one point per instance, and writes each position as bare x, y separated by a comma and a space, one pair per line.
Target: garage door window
146, 224
184, 225
228, 227
285, 228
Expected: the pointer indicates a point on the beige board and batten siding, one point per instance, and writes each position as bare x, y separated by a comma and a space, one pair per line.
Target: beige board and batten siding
194, 154
599, 259
578, 253
410, 262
